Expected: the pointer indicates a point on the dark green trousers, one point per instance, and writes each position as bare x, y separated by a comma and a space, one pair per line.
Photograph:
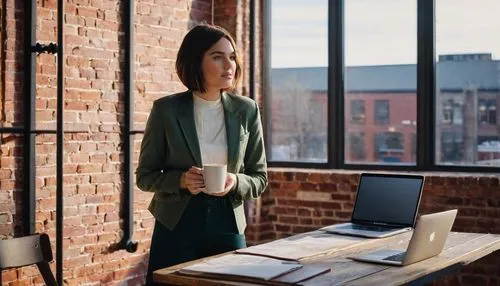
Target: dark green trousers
207, 227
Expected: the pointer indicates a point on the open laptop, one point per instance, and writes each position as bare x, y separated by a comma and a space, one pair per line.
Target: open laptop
386, 204
427, 241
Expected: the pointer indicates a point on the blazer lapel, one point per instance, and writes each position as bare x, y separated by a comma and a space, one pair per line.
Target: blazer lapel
233, 125
188, 127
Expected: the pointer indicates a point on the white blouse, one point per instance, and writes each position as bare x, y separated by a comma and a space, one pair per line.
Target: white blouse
211, 130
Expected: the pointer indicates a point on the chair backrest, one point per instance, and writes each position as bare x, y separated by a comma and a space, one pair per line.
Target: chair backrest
28, 250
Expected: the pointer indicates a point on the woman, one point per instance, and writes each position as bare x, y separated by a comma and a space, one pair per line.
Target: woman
206, 124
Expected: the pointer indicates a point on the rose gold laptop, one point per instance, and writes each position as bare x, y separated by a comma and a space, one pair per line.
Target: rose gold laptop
427, 241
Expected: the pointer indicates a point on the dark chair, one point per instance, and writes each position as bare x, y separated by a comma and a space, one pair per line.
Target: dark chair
28, 250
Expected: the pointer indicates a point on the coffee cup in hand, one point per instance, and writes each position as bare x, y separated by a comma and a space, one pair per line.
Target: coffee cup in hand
215, 177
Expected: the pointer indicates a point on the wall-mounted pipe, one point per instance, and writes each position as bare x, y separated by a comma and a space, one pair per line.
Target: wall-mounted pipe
31, 48
60, 142
128, 78
29, 168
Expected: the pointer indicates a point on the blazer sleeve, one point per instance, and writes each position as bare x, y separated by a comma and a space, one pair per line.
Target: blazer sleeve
252, 183
151, 174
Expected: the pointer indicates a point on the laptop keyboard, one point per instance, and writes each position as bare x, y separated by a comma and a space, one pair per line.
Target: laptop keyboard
396, 257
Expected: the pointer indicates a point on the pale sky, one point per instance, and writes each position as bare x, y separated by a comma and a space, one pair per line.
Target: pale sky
380, 31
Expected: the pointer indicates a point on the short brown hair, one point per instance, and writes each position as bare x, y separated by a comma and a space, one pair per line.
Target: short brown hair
189, 58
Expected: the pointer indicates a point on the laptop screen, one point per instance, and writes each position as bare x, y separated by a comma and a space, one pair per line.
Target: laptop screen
388, 199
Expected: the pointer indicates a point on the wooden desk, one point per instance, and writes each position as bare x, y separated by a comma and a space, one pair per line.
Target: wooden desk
460, 249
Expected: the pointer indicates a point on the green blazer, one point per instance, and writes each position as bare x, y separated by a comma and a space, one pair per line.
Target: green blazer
170, 146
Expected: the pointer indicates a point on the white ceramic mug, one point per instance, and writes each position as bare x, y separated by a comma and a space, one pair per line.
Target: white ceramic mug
215, 177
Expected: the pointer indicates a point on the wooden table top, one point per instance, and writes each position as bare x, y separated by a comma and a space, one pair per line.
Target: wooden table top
460, 249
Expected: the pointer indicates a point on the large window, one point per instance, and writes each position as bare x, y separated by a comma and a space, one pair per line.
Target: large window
467, 82
380, 76
298, 81
359, 89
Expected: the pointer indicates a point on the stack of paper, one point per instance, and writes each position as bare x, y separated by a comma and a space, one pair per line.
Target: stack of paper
241, 265
302, 246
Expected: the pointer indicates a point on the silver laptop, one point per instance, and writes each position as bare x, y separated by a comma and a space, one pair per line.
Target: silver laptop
386, 204
427, 241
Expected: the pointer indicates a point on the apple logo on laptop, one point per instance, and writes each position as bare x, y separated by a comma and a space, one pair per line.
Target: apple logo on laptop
431, 237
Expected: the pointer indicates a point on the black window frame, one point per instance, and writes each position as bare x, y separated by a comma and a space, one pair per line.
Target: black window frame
426, 95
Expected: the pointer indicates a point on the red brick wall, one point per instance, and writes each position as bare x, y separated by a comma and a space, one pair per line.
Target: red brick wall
11, 145
93, 115
303, 200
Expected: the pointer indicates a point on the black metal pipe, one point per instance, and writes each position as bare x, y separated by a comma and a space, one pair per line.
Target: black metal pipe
60, 142
251, 56
128, 80
13, 130
29, 168
20, 130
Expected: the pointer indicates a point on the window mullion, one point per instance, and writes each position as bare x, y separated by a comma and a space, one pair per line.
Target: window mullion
426, 84
336, 83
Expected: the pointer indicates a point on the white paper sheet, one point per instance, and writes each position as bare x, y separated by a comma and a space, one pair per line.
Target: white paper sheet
299, 247
242, 265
